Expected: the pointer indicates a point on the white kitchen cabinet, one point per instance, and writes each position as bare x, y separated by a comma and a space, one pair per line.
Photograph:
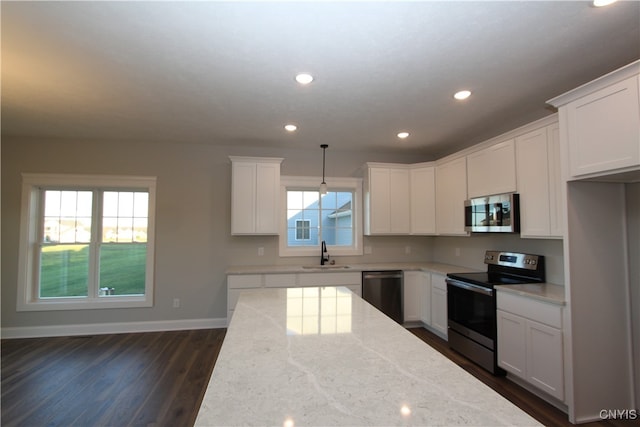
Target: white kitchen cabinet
601, 123
451, 192
238, 282
387, 202
538, 177
530, 341
412, 289
492, 170
425, 298
439, 304
423, 198
255, 195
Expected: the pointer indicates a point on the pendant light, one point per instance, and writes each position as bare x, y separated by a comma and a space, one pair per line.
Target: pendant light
323, 185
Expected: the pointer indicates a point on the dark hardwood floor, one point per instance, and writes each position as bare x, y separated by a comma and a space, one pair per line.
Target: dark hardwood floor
142, 379
154, 379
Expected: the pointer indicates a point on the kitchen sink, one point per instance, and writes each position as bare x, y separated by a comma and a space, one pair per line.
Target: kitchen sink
325, 267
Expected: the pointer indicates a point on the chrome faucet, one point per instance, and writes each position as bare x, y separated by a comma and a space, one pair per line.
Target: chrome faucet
324, 255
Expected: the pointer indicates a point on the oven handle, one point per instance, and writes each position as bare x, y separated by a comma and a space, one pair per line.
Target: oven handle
469, 287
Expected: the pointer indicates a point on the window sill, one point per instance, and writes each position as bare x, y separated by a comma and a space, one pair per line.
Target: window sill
85, 303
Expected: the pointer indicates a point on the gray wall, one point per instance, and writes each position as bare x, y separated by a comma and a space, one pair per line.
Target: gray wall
193, 242
633, 230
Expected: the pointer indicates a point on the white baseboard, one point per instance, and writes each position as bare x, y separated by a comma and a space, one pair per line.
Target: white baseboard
111, 328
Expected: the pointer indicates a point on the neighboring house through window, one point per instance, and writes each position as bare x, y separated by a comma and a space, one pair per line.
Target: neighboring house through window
311, 217
86, 242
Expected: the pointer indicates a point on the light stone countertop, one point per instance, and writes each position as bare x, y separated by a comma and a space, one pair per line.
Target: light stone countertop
405, 266
546, 292
323, 356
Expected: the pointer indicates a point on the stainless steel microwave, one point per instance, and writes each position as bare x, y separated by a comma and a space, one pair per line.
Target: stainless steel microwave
493, 214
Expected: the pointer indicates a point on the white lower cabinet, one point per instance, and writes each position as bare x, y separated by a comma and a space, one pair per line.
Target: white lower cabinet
416, 284
238, 282
439, 304
530, 342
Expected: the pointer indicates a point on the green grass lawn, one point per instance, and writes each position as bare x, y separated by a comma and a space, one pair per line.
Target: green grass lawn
64, 269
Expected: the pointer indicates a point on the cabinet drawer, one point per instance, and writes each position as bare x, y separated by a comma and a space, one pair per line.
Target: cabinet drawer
545, 313
280, 280
329, 279
244, 281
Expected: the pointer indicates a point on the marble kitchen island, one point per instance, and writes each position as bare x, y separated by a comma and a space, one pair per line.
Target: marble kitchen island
325, 357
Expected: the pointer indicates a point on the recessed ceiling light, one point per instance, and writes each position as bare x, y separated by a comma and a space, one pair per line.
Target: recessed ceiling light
304, 78
290, 128
403, 135
602, 3
463, 94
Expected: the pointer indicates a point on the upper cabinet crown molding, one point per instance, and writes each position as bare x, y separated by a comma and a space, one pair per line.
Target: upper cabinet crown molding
600, 125
602, 82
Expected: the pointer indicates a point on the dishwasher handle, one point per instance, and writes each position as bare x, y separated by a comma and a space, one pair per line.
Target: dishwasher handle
382, 274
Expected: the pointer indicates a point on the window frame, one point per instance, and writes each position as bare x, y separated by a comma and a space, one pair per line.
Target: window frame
306, 183
306, 226
30, 220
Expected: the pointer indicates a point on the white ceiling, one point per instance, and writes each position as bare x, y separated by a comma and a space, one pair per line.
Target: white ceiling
223, 72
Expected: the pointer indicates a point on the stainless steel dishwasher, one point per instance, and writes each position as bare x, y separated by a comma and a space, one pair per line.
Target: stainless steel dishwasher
384, 290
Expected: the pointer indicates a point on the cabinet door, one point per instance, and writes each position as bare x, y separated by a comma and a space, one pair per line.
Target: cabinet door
411, 290
451, 192
267, 198
243, 201
492, 170
439, 304
423, 200
544, 358
425, 298
388, 201
604, 129
556, 203
379, 214
533, 183
512, 345
399, 205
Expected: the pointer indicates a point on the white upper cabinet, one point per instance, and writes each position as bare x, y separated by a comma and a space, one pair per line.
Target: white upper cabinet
601, 124
538, 173
423, 198
255, 195
451, 192
387, 203
492, 170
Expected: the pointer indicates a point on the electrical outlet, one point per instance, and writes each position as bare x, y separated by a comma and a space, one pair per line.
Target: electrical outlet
407, 250
368, 250
260, 251
457, 251
176, 303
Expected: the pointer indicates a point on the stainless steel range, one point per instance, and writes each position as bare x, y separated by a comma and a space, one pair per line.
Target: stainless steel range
471, 303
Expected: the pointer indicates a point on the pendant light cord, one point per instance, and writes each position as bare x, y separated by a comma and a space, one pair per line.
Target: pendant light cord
324, 151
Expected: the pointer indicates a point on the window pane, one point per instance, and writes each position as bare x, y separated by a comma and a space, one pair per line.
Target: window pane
122, 269
125, 216
64, 271
67, 216
337, 219
125, 204
141, 205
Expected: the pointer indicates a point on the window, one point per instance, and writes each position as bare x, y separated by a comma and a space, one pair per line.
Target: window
302, 229
310, 218
87, 242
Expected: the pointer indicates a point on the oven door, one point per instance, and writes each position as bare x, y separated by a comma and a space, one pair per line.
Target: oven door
472, 312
